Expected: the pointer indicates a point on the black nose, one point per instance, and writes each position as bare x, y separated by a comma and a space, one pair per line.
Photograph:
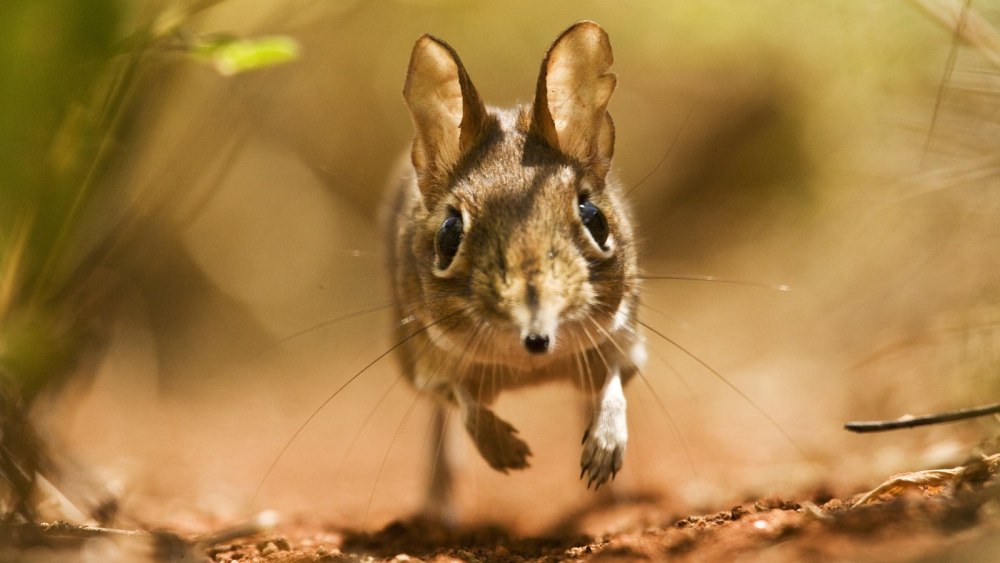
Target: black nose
536, 343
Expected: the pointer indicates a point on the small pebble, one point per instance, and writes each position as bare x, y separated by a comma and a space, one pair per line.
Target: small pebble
269, 549
283, 544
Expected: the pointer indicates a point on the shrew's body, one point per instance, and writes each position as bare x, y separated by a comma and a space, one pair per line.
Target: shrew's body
512, 251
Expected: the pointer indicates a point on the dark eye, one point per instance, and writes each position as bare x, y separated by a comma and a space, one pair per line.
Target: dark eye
595, 221
449, 236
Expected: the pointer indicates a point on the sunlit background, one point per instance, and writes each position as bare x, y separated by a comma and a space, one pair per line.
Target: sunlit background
191, 259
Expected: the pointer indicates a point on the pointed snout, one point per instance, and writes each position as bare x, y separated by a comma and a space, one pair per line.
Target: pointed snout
534, 295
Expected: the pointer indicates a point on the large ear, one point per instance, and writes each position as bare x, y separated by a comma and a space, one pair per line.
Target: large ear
446, 110
570, 112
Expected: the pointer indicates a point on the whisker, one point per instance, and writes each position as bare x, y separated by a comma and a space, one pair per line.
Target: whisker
583, 367
659, 354
371, 413
597, 349
929, 336
640, 464
684, 325
268, 349
402, 424
326, 401
366, 421
399, 428
324, 324
785, 288
464, 371
448, 410
494, 378
670, 148
355, 253
652, 390
678, 321
731, 386
482, 379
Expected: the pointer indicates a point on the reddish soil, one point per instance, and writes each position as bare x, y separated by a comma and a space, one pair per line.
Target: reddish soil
935, 521
932, 515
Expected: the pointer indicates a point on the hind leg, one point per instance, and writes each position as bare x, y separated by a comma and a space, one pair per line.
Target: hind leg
439, 502
494, 437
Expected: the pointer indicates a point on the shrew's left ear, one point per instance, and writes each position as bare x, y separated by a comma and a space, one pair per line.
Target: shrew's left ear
570, 111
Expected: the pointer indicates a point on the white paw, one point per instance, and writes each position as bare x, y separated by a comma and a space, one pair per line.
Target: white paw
604, 442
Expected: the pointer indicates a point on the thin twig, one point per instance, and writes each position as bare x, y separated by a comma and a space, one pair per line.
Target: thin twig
909, 421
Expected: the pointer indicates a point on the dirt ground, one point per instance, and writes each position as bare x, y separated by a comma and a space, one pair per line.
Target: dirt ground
932, 522
934, 515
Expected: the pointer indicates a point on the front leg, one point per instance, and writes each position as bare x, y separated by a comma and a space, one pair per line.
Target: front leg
494, 437
604, 442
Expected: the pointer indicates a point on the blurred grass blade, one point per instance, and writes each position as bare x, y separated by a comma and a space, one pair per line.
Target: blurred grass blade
11, 256
969, 24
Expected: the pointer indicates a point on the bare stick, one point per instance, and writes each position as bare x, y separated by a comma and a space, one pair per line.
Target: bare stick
908, 421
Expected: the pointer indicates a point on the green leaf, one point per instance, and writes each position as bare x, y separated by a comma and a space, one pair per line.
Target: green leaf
230, 55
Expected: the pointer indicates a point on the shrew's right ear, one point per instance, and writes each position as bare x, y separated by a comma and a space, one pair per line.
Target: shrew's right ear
446, 110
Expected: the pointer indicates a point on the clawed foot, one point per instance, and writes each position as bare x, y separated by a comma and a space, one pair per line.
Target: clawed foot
605, 440
603, 455
497, 440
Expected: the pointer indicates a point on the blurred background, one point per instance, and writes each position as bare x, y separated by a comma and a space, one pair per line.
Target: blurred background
190, 261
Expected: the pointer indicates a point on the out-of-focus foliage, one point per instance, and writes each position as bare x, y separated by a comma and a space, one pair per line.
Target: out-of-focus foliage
71, 80
69, 74
57, 109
